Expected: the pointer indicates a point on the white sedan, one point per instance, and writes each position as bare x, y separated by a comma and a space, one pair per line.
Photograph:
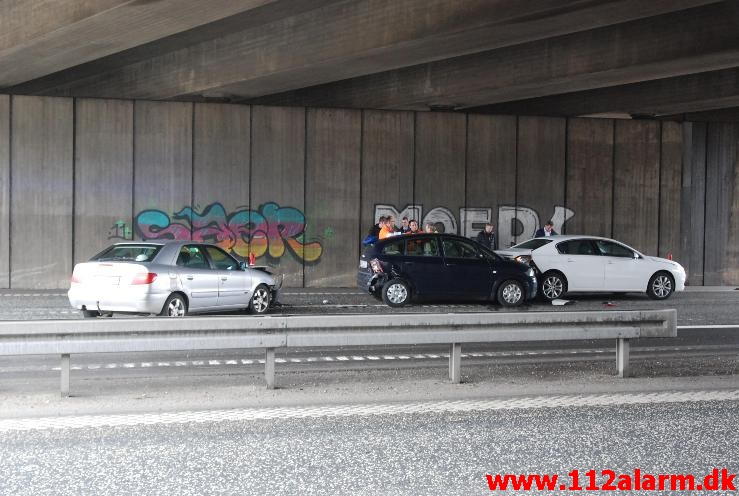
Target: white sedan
589, 264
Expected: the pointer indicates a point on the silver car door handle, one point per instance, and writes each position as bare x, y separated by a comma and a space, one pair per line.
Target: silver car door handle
189, 278
570, 260
224, 278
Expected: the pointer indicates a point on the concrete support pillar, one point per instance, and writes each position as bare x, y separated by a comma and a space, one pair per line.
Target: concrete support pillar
622, 357
269, 367
65, 375
455, 363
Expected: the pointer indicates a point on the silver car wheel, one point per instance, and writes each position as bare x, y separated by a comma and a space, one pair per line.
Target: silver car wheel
260, 300
176, 308
552, 287
662, 286
397, 293
512, 293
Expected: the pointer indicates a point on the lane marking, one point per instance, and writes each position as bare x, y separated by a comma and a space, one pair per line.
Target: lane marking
364, 410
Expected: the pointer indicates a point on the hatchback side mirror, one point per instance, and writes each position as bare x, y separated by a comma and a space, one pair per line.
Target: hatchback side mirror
243, 265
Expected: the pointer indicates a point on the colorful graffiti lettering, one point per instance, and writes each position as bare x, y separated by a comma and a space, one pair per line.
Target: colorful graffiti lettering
270, 230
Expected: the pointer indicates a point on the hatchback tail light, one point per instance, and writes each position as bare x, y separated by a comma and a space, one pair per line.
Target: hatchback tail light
144, 278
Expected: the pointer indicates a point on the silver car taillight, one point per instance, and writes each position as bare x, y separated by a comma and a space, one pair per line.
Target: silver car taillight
144, 278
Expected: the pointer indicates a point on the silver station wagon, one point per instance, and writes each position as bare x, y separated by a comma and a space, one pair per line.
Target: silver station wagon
173, 279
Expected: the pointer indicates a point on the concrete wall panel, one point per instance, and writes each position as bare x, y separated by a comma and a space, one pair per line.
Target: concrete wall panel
693, 201
590, 176
4, 191
670, 178
41, 192
540, 178
721, 202
221, 176
278, 165
103, 169
332, 196
636, 187
387, 163
440, 167
491, 169
163, 169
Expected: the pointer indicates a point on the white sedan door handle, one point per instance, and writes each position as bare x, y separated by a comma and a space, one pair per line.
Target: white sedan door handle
570, 260
224, 278
189, 278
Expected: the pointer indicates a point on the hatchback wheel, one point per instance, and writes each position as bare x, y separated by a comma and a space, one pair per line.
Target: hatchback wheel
510, 293
259, 303
175, 306
553, 285
396, 293
660, 286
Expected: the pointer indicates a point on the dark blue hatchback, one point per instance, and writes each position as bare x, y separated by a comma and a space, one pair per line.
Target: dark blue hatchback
441, 267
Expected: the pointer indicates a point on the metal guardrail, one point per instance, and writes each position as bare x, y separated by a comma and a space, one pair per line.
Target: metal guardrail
67, 337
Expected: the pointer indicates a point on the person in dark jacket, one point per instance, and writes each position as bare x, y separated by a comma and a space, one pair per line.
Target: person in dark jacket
547, 230
487, 237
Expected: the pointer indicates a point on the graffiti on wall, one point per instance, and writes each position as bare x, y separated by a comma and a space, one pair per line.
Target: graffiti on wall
514, 223
270, 230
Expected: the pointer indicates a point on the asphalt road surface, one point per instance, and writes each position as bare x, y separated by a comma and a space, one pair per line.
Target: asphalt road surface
697, 306
381, 420
433, 448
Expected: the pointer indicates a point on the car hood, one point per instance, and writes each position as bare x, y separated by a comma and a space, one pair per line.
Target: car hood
513, 252
664, 261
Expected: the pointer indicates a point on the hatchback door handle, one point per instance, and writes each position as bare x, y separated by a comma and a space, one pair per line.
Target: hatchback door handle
570, 260
189, 278
224, 278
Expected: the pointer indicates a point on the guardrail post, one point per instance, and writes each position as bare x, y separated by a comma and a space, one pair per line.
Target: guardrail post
622, 357
65, 375
455, 363
269, 367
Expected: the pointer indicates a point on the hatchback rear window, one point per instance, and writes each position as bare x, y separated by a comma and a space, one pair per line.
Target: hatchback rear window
127, 253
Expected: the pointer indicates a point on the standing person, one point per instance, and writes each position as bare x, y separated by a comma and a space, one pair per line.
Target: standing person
388, 229
547, 230
374, 232
487, 237
413, 226
405, 227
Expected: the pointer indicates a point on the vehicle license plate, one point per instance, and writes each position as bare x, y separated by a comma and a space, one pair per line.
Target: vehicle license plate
107, 280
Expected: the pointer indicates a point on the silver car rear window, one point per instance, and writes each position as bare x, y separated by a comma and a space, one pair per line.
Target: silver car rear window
127, 253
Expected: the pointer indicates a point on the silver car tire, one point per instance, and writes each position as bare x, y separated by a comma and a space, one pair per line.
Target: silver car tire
260, 300
511, 293
175, 306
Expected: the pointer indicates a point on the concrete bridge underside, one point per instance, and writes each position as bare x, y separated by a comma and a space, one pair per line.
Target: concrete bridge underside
120, 118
